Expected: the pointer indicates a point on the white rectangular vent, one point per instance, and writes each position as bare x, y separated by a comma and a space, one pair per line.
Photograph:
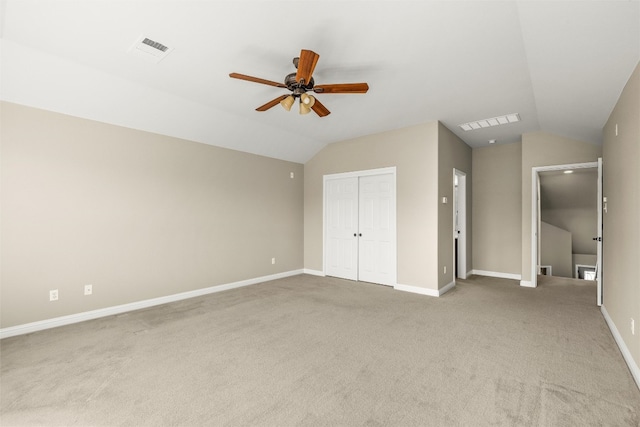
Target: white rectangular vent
155, 45
149, 49
494, 121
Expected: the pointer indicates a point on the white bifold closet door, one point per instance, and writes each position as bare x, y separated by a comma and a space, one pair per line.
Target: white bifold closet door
360, 228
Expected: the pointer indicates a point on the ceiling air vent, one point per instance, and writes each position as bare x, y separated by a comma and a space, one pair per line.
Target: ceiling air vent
494, 121
154, 45
149, 49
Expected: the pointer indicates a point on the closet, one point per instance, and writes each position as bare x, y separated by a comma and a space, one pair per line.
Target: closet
360, 226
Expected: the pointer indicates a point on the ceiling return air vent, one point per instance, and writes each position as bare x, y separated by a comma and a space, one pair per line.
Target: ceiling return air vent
149, 49
494, 121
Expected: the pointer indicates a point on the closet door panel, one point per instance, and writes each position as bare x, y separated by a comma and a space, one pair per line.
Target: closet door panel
376, 229
341, 226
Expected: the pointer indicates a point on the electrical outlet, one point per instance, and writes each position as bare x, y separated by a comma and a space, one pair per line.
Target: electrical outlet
633, 326
53, 295
445, 269
88, 289
273, 260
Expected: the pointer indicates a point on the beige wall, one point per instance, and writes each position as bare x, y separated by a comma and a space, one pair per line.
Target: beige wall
555, 249
582, 223
135, 214
544, 149
621, 230
414, 153
452, 153
497, 204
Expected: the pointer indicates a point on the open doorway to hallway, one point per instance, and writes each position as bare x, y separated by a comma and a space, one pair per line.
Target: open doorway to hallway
567, 223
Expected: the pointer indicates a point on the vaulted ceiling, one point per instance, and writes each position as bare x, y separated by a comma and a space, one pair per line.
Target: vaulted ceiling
560, 65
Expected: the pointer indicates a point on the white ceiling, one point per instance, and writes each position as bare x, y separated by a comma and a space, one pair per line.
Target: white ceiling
560, 64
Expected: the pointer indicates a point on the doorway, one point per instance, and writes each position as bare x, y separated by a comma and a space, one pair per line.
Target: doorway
459, 224
360, 226
538, 227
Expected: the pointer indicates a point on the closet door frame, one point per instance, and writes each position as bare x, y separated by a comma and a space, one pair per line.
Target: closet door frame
358, 174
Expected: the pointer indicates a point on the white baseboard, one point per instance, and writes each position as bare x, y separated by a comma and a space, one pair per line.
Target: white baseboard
526, 283
313, 272
28, 328
633, 366
446, 288
424, 291
416, 290
497, 274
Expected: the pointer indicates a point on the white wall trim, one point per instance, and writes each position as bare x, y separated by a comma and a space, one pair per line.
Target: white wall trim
28, 328
416, 290
313, 272
446, 288
633, 366
497, 274
360, 173
424, 291
527, 284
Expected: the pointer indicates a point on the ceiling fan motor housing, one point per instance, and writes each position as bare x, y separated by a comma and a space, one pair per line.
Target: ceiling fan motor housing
295, 87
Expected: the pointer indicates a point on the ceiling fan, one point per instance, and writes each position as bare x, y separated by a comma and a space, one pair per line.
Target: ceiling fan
301, 82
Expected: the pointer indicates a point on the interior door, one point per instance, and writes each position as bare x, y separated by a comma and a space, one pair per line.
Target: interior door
341, 227
376, 229
599, 236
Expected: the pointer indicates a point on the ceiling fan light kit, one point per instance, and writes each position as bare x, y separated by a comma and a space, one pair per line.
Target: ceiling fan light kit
304, 109
301, 82
287, 102
307, 100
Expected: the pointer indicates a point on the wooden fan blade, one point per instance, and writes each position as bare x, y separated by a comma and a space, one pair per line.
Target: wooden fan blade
256, 80
271, 103
306, 65
320, 109
342, 88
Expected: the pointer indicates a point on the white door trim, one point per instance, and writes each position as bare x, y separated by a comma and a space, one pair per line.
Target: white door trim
460, 204
356, 174
534, 211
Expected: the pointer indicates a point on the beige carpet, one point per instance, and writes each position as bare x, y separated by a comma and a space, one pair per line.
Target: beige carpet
320, 351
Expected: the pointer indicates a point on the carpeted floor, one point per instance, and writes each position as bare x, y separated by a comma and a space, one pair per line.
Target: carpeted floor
321, 351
